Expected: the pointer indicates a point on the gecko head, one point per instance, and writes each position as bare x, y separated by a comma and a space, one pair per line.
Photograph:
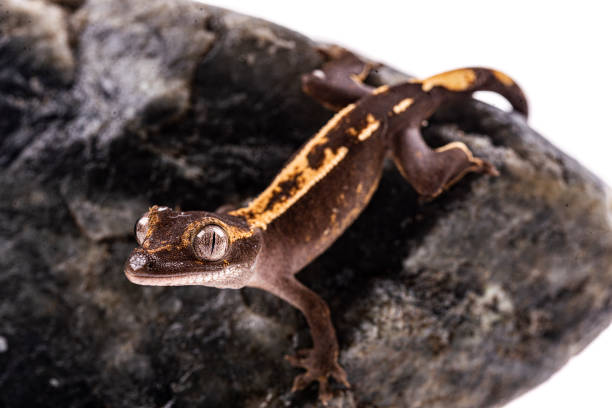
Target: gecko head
192, 248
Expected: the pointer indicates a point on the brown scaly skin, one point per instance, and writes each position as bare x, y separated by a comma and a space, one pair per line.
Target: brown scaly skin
330, 179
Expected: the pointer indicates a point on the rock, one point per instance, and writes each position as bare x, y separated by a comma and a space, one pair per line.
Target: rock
108, 107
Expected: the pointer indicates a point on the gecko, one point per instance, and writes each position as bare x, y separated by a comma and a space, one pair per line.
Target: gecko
314, 198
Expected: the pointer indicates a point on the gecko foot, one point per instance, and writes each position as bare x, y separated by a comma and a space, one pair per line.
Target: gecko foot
452, 162
318, 368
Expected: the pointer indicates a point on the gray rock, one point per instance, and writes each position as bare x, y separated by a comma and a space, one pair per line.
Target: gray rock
107, 107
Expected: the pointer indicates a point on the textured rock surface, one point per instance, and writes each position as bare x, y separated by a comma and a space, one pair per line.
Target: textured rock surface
108, 107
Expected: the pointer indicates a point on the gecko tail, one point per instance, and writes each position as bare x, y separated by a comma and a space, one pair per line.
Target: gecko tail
474, 79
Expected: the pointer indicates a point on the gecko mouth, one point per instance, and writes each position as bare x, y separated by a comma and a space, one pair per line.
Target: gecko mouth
140, 269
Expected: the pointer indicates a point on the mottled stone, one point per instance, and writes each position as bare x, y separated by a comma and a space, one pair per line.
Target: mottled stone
108, 107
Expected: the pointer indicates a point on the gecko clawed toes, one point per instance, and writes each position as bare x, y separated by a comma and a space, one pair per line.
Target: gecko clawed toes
488, 168
318, 368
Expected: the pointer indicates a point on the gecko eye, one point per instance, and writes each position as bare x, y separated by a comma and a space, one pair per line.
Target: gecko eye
211, 243
140, 229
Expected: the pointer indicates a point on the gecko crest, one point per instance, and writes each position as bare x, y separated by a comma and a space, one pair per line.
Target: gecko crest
269, 205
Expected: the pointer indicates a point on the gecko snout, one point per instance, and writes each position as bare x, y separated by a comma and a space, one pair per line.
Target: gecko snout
139, 264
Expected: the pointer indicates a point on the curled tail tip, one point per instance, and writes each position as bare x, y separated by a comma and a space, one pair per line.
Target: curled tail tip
473, 79
508, 88
518, 100
524, 110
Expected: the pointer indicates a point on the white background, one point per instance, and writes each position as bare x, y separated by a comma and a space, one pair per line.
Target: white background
559, 52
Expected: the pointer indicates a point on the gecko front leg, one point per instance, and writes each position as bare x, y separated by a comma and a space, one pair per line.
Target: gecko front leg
321, 361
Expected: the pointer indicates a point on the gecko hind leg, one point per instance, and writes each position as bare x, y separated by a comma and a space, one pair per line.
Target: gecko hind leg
339, 81
432, 171
429, 171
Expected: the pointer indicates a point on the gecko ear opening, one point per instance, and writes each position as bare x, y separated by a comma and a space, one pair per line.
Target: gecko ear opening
210, 243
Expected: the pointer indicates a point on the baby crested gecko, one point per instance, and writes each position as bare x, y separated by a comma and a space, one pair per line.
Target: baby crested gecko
331, 179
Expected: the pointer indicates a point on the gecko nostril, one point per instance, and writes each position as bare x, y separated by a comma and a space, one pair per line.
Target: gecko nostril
138, 261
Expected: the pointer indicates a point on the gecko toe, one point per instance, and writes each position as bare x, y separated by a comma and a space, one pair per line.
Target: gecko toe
301, 381
488, 168
324, 393
317, 369
339, 375
299, 360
